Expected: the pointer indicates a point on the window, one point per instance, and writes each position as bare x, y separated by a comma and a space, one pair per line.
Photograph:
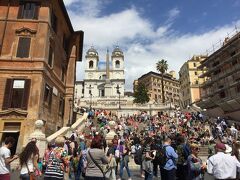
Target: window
102, 93
23, 47
196, 82
238, 88
54, 22
217, 72
90, 64
48, 95
234, 62
28, 10
194, 65
233, 53
222, 94
50, 57
195, 72
117, 64
61, 106
16, 93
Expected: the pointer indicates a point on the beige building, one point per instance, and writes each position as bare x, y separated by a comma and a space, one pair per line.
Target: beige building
220, 94
38, 54
152, 81
190, 81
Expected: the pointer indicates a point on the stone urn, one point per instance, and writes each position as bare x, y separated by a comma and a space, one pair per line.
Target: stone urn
111, 134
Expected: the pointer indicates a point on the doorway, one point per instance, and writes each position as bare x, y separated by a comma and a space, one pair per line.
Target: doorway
15, 135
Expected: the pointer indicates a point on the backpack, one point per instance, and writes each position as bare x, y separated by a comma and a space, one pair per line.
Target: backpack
138, 154
183, 153
117, 153
157, 147
162, 156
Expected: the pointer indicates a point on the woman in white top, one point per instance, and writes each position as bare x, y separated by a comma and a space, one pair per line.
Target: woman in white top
28, 160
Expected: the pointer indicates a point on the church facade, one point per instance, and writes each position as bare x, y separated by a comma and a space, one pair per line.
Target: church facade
105, 81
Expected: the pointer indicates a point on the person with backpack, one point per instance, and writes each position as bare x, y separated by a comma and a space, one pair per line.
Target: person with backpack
183, 153
58, 162
148, 156
168, 161
124, 160
157, 145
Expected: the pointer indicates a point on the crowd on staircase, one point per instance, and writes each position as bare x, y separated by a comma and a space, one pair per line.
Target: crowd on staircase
165, 146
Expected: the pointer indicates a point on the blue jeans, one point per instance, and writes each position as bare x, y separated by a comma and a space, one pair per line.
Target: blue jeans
148, 176
24, 176
122, 165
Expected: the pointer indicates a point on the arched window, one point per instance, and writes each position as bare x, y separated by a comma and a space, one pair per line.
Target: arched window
117, 64
90, 64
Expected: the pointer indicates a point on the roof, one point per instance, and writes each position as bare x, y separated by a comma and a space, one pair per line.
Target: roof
167, 76
217, 52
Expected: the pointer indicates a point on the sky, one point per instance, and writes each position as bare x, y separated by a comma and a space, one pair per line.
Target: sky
150, 30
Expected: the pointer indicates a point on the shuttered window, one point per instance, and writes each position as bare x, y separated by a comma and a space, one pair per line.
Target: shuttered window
61, 106
50, 57
23, 47
16, 94
28, 10
48, 95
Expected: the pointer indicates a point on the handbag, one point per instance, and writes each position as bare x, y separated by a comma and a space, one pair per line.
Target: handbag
106, 174
31, 174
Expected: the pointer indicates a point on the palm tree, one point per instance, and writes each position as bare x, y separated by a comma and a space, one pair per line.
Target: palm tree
162, 67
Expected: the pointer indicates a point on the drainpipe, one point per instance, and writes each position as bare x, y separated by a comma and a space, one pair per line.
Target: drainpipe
5, 27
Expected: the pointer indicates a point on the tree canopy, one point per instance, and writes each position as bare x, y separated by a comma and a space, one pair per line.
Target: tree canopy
141, 94
162, 66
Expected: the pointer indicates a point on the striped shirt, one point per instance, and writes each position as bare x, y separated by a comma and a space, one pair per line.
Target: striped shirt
57, 163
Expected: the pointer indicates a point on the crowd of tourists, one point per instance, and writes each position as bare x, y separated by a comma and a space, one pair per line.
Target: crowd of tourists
164, 146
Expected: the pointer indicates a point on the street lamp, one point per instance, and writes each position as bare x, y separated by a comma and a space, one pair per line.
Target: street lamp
90, 93
118, 91
70, 111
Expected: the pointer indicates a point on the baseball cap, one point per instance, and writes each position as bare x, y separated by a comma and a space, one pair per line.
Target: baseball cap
220, 146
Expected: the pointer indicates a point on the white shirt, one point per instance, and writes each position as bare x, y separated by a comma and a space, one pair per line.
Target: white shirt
24, 169
4, 154
223, 166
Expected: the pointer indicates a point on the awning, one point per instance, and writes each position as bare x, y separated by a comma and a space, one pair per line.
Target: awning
10, 131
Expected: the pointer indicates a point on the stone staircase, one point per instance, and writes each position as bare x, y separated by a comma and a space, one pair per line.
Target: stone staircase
203, 153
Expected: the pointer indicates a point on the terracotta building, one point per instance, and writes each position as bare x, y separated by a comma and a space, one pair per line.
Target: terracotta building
220, 94
38, 54
152, 81
190, 81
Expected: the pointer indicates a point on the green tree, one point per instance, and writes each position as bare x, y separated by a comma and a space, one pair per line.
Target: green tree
141, 94
162, 67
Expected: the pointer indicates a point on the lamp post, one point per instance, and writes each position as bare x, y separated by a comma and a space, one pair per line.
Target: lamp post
90, 93
70, 111
118, 91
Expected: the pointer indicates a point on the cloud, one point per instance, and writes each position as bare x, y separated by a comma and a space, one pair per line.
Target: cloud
173, 13
68, 2
143, 44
